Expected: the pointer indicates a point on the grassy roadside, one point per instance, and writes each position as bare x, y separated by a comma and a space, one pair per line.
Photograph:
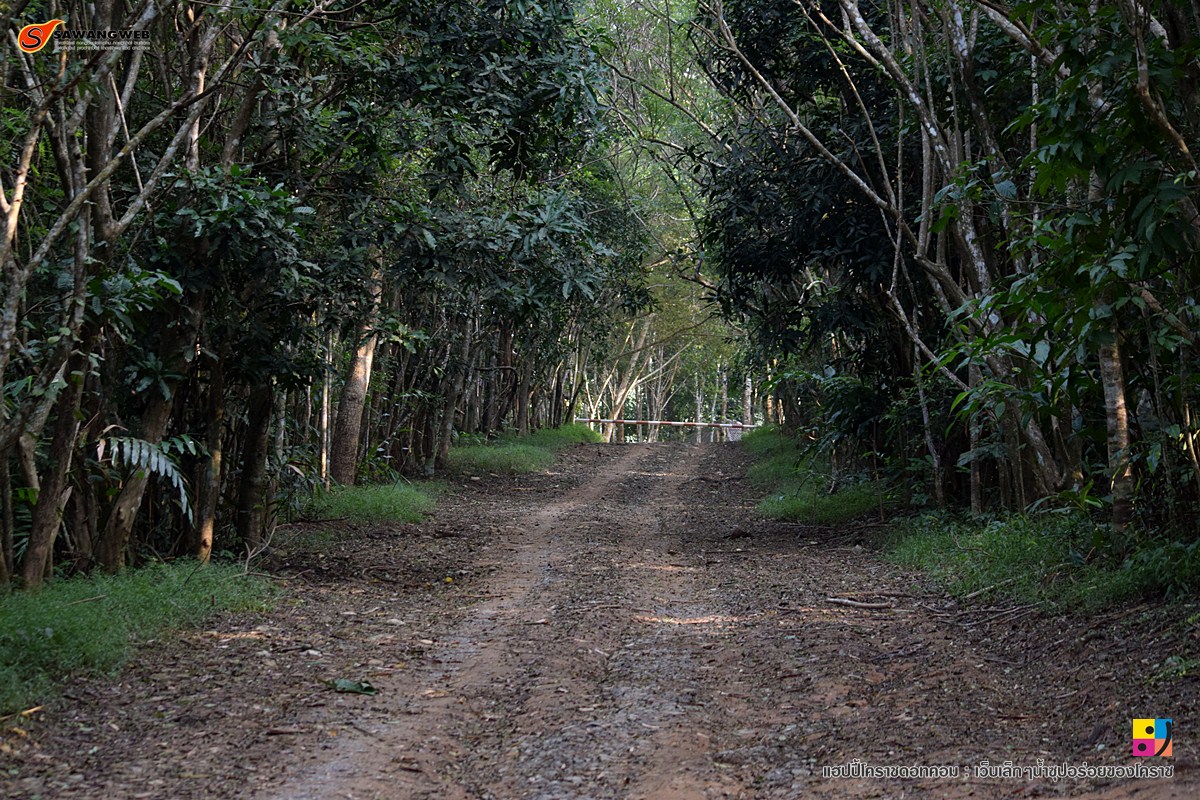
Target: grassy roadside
91, 625
510, 454
796, 483
1062, 559
398, 502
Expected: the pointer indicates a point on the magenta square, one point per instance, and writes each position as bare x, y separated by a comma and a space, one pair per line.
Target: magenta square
1143, 747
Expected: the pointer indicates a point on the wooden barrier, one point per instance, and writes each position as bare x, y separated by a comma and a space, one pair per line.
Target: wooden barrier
668, 423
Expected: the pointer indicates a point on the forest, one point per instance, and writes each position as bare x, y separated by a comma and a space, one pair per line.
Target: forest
275, 247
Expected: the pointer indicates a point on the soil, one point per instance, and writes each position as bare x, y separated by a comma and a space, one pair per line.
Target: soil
622, 626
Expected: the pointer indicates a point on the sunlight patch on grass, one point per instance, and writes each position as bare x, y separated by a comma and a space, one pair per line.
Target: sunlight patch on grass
511, 454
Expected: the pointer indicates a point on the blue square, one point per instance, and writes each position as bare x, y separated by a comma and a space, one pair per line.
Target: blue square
1162, 728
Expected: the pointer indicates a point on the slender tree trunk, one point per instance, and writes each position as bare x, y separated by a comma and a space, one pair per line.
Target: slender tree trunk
748, 401
1117, 422
975, 432
456, 381
935, 458
524, 388
55, 489
6, 524
347, 429
85, 514
251, 507
326, 405
209, 486
114, 541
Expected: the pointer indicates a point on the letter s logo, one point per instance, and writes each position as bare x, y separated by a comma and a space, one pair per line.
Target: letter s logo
34, 37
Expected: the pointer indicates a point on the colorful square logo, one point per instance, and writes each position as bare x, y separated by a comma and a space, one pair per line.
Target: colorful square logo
1152, 737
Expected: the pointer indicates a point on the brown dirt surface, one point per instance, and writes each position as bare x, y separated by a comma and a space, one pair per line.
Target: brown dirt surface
622, 626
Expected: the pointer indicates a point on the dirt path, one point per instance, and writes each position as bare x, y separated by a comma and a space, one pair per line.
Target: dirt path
622, 627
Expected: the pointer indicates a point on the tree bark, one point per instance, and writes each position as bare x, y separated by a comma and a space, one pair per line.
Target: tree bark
208, 488
6, 524
347, 429
1117, 422
251, 507
110, 554
456, 381
54, 492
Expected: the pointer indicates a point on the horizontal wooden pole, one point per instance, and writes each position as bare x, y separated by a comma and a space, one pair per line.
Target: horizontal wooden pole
667, 423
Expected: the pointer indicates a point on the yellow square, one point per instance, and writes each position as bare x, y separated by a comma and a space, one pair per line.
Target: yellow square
1143, 729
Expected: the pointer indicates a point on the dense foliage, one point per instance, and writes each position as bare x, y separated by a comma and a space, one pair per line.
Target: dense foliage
966, 237
286, 246
283, 245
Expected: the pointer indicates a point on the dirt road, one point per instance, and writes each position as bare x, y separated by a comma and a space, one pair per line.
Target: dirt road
621, 627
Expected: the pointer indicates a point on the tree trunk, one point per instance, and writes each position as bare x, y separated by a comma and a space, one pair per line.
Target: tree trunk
55, 491
748, 401
455, 385
347, 429
208, 489
1117, 422
251, 508
524, 388
110, 554
326, 392
6, 524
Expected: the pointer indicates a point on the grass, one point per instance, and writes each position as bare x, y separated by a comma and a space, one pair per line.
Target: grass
91, 625
510, 454
1050, 558
796, 483
398, 502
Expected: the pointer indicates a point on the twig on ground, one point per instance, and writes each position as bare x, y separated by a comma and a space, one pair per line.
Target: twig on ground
842, 601
1011, 613
29, 712
85, 600
987, 589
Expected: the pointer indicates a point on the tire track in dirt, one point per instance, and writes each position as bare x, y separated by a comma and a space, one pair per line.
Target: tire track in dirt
648, 638
433, 746
621, 627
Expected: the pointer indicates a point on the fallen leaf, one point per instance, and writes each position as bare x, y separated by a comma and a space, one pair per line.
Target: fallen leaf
346, 685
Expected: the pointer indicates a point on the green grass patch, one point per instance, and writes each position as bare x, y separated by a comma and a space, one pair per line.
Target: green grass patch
796, 482
821, 508
503, 458
511, 454
555, 438
90, 625
1051, 558
398, 502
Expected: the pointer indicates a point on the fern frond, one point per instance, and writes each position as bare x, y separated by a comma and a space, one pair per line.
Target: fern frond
154, 459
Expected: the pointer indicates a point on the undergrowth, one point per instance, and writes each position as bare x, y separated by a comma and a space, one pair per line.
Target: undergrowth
398, 502
90, 625
510, 454
797, 483
1063, 560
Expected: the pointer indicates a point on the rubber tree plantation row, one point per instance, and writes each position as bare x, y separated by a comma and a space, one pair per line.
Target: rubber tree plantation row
964, 236
282, 245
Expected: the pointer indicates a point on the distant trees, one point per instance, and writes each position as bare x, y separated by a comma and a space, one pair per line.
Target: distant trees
985, 216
